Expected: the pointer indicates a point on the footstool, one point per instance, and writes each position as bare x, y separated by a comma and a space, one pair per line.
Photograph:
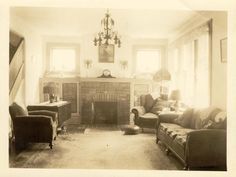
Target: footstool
131, 129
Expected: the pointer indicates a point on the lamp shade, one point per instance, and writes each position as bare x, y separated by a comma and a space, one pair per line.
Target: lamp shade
175, 95
50, 88
162, 75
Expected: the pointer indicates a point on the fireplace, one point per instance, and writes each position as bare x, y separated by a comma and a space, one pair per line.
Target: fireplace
105, 101
105, 112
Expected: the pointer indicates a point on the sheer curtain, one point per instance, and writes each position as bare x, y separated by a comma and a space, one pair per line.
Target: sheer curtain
190, 66
202, 71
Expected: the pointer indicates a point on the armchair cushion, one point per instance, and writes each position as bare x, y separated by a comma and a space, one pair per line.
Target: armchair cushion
149, 115
149, 102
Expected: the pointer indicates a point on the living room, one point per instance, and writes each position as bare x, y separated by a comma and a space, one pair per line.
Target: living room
181, 60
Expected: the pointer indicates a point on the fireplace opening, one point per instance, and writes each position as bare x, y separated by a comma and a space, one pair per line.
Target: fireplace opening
105, 112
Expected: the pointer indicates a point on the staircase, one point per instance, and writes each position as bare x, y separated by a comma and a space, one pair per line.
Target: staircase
16, 64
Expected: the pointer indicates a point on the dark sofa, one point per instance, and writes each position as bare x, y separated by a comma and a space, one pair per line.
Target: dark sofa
197, 137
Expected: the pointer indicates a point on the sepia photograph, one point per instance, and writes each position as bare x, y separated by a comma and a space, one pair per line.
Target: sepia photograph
106, 53
167, 111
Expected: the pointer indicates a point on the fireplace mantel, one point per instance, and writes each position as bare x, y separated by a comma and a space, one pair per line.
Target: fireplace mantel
92, 79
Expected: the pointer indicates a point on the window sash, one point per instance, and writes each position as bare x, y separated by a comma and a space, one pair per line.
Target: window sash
51, 65
63, 59
147, 61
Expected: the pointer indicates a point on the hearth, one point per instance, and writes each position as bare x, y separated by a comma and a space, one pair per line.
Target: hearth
105, 112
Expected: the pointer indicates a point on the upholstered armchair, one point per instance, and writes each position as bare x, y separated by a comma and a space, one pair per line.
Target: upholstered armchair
146, 115
33, 126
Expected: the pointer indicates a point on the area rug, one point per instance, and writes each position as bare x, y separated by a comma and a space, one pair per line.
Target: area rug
97, 148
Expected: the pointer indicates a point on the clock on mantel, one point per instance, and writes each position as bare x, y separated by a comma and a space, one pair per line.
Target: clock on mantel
106, 73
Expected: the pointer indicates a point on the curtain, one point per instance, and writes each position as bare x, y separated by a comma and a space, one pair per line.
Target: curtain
190, 66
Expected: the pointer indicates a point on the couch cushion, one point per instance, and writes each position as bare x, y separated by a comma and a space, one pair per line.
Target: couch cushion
17, 110
180, 132
185, 119
202, 116
181, 136
169, 127
218, 122
181, 139
149, 115
221, 116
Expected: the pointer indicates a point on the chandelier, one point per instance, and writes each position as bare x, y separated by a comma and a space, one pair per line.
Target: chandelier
107, 35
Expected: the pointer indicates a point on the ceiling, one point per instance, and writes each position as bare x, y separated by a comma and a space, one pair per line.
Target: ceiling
143, 23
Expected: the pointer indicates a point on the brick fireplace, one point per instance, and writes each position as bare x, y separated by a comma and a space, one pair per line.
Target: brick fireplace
104, 101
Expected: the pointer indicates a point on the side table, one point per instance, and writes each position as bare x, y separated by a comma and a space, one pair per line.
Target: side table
63, 109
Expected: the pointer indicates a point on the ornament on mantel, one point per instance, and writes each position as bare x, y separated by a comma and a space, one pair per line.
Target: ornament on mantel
124, 64
88, 65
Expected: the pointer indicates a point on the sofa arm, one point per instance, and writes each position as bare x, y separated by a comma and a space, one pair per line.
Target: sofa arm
206, 148
45, 113
168, 117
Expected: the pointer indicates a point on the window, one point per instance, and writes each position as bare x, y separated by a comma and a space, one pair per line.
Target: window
62, 58
147, 61
190, 68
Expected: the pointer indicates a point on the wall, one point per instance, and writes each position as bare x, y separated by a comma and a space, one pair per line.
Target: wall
33, 60
219, 69
89, 51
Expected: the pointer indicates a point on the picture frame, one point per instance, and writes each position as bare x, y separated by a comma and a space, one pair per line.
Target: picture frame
223, 50
106, 53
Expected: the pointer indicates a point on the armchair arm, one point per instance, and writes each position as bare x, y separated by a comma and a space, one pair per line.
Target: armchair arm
206, 148
45, 113
138, 111
33, 119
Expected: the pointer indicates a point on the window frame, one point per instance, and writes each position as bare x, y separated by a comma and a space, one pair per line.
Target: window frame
51, 46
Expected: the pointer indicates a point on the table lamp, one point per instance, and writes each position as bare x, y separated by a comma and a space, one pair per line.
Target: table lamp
51, 90
160, 76
175, 95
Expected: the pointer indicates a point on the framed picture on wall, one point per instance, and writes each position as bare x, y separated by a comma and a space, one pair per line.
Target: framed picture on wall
223, 50
106, 53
